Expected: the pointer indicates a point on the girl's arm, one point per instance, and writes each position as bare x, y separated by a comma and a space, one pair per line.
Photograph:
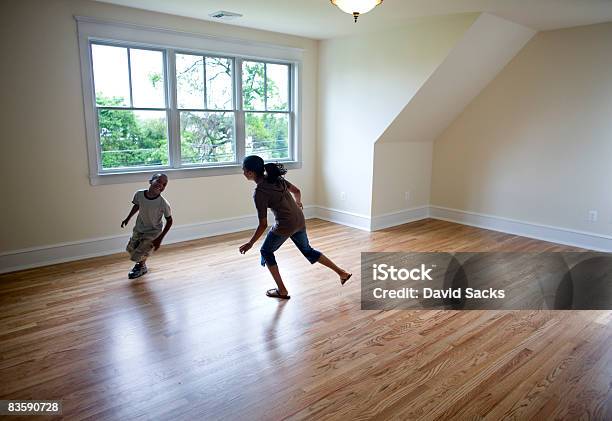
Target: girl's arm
261, 228
297, 194
132, 212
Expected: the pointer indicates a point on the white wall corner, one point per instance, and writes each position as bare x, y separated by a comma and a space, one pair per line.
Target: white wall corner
349, 219
393, 219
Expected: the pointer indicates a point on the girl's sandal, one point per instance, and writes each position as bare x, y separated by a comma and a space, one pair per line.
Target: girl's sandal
274, 293
343, 280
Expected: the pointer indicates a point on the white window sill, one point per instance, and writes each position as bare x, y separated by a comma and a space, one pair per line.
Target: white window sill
174, 173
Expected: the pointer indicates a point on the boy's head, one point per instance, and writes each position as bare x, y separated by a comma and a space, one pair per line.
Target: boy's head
157, 183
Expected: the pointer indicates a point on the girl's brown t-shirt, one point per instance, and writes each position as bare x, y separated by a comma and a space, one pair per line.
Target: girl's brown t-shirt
276, 196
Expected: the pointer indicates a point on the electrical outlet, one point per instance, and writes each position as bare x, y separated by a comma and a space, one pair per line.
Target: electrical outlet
592, 216
342, 196
407, 196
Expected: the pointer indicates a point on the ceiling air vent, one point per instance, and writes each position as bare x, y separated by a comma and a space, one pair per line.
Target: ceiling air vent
224, 15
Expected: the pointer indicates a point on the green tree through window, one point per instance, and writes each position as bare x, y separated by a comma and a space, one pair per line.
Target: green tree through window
131, 138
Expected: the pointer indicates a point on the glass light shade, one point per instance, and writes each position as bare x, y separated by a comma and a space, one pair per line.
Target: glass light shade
356, 6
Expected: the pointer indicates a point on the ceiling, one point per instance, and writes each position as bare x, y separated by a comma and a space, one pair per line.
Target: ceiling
319, 19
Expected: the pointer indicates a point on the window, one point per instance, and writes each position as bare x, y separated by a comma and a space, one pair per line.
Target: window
265, 95
191, 112
130, 92
206, 109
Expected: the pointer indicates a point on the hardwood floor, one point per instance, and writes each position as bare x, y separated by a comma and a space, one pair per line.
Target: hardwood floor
196, 338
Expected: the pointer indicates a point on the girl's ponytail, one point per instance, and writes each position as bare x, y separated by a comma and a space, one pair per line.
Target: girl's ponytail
274, 172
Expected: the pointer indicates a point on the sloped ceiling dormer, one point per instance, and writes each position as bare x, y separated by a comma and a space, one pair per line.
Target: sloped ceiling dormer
483, 51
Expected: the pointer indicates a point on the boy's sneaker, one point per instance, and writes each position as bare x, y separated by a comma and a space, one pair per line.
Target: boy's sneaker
137, 271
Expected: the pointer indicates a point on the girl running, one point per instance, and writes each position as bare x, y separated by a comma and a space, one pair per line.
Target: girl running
278, 194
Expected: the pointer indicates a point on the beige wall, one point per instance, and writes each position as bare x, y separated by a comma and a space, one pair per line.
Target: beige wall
533, 146
364, 82
536, 144
47, 197
400, 168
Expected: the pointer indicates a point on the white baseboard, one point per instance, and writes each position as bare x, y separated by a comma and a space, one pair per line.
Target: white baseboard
349, 219
559, 235
583, 239
77, 250
60, 253
393, 219
65, 252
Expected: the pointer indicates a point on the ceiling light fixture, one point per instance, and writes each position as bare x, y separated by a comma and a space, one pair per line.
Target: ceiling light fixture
356, 7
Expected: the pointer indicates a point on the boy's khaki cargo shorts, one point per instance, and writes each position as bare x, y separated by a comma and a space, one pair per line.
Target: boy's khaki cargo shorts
140, 245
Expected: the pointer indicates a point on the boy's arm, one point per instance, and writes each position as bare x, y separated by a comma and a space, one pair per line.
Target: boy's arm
132, 212
297, 194
160, 237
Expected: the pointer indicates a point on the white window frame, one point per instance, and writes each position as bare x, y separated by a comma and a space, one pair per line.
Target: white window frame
173, 42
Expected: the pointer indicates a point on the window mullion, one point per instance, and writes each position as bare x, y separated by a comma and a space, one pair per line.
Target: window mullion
205, 87
174, 129
129, 60
292, 130
239, 119
265, 87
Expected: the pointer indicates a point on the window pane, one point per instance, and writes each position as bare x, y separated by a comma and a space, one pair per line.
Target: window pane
267, 135
133, 138
219, 83
190, 81
278, 87
253, 89
111, 78
207, 137
148, 82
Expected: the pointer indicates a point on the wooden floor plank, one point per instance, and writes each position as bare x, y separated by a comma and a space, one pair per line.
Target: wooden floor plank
196, 338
